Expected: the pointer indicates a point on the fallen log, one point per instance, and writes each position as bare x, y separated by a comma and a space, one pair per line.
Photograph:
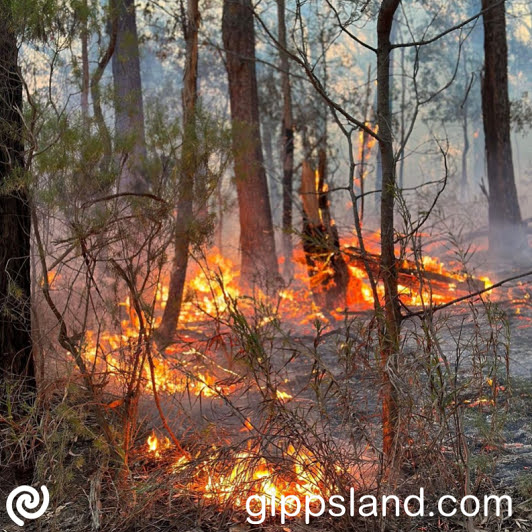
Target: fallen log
409, 274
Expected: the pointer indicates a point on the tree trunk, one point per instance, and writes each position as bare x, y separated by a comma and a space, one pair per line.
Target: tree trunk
15, 222
129, 108
390, 336
189, 168
465, 149
85, 73
257, 244
287, 136
403, 121
506, 232
363, 146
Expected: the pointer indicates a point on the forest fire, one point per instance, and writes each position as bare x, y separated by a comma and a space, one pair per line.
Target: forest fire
231, 480
211, 287
243, 253
251, 474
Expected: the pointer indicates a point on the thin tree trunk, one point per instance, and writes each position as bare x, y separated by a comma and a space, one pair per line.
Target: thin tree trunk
390, 336
287, 155
465, 130
267, 144
85, 74
220, 216
129, 108
189, 168
465, 150
95, 80
257, 244
506, 233
403, 120
362, 162
15, 220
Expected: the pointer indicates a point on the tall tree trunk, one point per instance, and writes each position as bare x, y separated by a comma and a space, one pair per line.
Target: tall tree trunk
15, 222
363, 145
464, 112
189, 169
465, 149
267, 145
506, 232
287, 154
390, 336
85, 73
129, 108
259, 259
402, 120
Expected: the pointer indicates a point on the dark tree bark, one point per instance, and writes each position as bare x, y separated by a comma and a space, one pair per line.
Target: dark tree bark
287, 154
392, 316
506, 232
258, 256
129, 108
15, 222
189, 169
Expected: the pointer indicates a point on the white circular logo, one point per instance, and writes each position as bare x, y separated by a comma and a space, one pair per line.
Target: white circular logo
27, 504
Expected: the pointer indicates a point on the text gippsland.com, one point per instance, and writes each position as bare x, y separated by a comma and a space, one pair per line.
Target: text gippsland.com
260, 507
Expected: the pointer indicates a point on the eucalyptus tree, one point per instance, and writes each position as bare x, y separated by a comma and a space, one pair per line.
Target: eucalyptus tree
287, 131
506, 231
257, 244
129, 107
188, 173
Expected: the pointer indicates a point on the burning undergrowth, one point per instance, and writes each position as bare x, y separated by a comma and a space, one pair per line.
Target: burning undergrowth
267, 393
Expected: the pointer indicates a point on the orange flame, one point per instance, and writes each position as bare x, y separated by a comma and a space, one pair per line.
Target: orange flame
155, 446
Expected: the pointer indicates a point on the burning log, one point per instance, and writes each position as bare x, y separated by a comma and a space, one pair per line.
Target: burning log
326, 266
409, 272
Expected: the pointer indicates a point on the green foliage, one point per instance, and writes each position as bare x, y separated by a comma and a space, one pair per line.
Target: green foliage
34, 18
69, 169
69, 448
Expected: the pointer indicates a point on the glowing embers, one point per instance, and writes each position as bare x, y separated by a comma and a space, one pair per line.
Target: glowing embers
211, 291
